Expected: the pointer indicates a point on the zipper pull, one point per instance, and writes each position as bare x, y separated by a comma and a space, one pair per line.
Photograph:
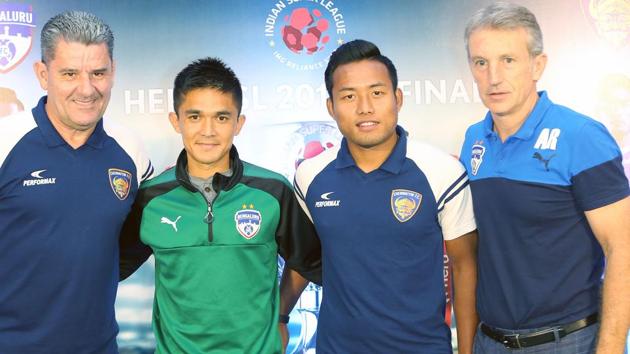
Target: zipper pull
209, 217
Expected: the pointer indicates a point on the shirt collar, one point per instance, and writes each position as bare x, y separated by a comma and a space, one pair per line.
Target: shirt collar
394, 162
535, 117
52, 136
526, 131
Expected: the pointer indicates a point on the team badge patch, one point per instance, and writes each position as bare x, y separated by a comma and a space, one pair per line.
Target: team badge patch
405, 203
248, 222
477, 157
17, 23
120, 181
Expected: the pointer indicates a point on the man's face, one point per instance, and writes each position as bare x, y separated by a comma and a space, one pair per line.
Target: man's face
505, 73
79, 81
208, 121
364, 104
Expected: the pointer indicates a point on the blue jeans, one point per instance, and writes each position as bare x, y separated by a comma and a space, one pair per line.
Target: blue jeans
579, 342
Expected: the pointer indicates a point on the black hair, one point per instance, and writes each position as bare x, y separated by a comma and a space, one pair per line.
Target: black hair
207, 73
354, 51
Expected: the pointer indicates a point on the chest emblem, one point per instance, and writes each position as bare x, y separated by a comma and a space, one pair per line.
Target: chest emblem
476, 157
248, 221
405, 203
543, 160
120, 181
173, 223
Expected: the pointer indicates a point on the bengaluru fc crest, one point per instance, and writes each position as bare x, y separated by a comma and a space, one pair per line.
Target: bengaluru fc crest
120, 181
476, 157
248, 222
16, 34
405, 203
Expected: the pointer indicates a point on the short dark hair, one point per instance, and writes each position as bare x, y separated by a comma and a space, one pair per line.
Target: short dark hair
354, 51
207, 73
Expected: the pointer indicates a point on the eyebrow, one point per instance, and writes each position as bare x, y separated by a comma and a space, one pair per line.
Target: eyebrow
378, 84
216, 114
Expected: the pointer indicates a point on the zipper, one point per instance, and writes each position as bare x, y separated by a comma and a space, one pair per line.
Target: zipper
209, 218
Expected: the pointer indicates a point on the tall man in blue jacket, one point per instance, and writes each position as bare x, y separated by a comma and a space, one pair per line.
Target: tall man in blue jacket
67, 181
550, 199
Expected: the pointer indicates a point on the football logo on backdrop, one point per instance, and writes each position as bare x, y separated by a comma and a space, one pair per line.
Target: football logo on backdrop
405, 203
120, 181
477, 157
16, 34
303, 34
610, 18
248, 221
307, 141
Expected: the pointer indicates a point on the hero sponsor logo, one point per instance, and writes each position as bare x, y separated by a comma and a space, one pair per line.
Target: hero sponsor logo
303, 33
38, 179
17, 23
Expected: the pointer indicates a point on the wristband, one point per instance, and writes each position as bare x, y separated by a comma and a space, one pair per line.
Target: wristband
283, 319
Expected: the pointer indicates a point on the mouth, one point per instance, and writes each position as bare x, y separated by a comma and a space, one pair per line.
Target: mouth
497, 95
85, 101
367, 125
207, 145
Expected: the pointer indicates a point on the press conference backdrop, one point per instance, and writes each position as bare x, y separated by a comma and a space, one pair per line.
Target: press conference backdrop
279, 49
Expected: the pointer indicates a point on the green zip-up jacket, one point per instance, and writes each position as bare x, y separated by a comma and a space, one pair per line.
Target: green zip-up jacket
216, 270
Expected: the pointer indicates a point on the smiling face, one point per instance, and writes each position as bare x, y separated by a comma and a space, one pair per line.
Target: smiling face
365, 104
505, 72
79, 81
208, 121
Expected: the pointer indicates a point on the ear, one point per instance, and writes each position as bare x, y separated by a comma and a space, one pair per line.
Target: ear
540, 62
172, 117
331, 108
240, 121
399, 99
41, 72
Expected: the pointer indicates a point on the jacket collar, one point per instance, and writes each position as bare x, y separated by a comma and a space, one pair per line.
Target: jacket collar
219, 181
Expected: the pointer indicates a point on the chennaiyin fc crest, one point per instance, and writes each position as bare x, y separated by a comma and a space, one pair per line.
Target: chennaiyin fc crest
120, 181
248, 222
477, 157
405, 203
16, 34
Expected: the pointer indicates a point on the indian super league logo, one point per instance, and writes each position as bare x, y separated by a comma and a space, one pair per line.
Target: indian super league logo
248, 221
303, 34
477, 157
17, 23
611, 19
405, 203
308, 141
120, 181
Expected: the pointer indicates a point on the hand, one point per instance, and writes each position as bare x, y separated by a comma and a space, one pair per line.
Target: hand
284, 335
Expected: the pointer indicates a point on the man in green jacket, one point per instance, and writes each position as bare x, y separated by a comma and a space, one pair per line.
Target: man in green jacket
215, 225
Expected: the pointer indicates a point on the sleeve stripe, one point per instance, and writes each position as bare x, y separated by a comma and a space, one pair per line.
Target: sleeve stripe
448, 190
297, 189
453, 195
148, 172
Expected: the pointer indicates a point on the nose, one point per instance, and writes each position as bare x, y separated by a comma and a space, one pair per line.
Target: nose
207, 126
85, 85
495, 74
364, 104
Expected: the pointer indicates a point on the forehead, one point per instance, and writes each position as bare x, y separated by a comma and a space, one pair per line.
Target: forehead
208, 100
75, 52
360, 74
491, 41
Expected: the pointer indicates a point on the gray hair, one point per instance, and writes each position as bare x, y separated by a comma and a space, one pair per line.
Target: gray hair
506, 16
75, 26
